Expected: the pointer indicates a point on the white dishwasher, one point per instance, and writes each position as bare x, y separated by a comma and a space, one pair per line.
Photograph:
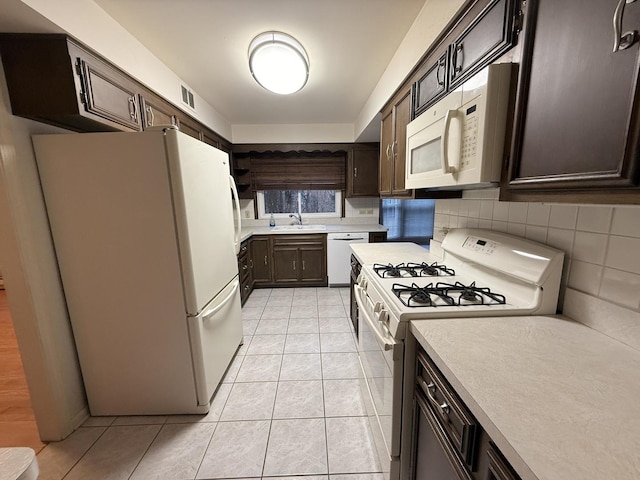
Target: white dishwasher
339, 255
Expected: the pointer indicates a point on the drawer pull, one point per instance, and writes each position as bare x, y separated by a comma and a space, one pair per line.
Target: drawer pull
444, 408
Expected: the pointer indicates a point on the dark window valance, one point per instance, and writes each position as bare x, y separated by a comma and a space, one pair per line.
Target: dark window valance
299, 173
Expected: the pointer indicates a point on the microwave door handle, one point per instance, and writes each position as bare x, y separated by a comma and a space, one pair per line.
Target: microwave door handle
444, 154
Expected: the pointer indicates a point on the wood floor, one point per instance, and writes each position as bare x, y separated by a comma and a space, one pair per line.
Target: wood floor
17, 423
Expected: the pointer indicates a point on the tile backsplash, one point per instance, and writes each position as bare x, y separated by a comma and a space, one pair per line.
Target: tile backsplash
601, 243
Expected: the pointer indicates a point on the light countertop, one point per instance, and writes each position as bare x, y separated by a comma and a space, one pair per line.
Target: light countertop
247, 232
389, 252
561, 400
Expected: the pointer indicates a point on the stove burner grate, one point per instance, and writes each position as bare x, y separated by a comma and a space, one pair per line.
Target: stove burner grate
431, 270
415, 296
412, 270
446, 294
471, 295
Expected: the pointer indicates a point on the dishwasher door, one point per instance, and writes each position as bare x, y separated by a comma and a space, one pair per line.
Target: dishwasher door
339, 255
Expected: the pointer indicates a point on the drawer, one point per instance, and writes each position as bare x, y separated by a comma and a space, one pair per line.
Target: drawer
460, 426
243, 267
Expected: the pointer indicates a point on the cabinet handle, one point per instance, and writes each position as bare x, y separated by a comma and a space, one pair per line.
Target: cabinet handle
440, 64
389, 151
393, 148
302, 264
151, 117
265, 259
251, 263
355, 172
622, 42
294, 264
444, 408
133, 110
457, 55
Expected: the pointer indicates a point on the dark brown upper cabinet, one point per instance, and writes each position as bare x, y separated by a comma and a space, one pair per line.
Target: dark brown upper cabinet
577, 123
393, 138
189, 126
53, 79
362, 171
433, 85
489, 35
156, 112
483, 32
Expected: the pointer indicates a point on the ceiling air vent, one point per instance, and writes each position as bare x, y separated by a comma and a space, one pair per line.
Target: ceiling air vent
187, 97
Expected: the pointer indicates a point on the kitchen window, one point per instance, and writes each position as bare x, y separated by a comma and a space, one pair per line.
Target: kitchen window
408, 220
312, 203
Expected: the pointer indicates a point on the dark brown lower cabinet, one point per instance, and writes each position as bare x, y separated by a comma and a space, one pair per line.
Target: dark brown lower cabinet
300, 260
285, 259
448, 442
244, 271
260, 261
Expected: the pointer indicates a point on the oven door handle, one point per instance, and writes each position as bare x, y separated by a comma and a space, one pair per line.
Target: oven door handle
364, 311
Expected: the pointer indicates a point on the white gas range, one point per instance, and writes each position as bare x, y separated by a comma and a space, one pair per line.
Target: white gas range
482, 273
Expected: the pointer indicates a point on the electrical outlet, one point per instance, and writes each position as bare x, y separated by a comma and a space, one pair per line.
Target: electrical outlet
247, 214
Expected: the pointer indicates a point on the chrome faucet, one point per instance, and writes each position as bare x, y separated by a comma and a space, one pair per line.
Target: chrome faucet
297, 216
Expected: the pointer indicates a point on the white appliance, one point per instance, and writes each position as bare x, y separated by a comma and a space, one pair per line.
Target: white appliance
144, 234
482, 273
459, 141
339, 255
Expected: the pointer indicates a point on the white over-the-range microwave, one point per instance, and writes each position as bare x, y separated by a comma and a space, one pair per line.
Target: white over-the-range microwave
459, 141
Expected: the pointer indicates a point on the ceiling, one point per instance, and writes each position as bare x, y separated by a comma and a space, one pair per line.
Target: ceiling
205, 42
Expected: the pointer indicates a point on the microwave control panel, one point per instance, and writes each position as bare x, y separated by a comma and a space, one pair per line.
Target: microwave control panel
469, 136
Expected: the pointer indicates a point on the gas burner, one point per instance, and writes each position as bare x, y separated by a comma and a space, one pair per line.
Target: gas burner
412, 270
415, 296
389, 270
431, 270
471, 295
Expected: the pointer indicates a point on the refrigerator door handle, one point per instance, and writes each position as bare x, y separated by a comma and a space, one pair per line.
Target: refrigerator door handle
236, 200
208, 314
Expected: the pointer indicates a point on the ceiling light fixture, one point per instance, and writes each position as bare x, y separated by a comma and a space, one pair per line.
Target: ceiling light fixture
278, 62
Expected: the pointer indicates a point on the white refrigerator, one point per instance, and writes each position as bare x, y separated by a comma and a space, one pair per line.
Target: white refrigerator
143, 228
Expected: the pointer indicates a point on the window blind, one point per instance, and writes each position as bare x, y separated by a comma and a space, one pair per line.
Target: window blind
299, 173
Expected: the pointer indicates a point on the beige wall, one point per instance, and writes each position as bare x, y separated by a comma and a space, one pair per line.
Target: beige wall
33, 285
602, 243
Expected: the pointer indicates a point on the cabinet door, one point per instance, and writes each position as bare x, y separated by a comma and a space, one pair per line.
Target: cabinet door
260, 262
156, 112
109, 95
499, 468
313, 261
576, 130
362, 172
432, 85
386, 155
488, 36
190, 127
210, 139
402, 117
285, 264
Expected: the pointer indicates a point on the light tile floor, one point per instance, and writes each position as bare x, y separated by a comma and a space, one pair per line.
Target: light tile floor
289, 405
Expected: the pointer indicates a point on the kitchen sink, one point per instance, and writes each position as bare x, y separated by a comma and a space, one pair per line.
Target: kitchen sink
284, 228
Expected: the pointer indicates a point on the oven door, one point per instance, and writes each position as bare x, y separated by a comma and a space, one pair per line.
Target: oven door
382, 358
